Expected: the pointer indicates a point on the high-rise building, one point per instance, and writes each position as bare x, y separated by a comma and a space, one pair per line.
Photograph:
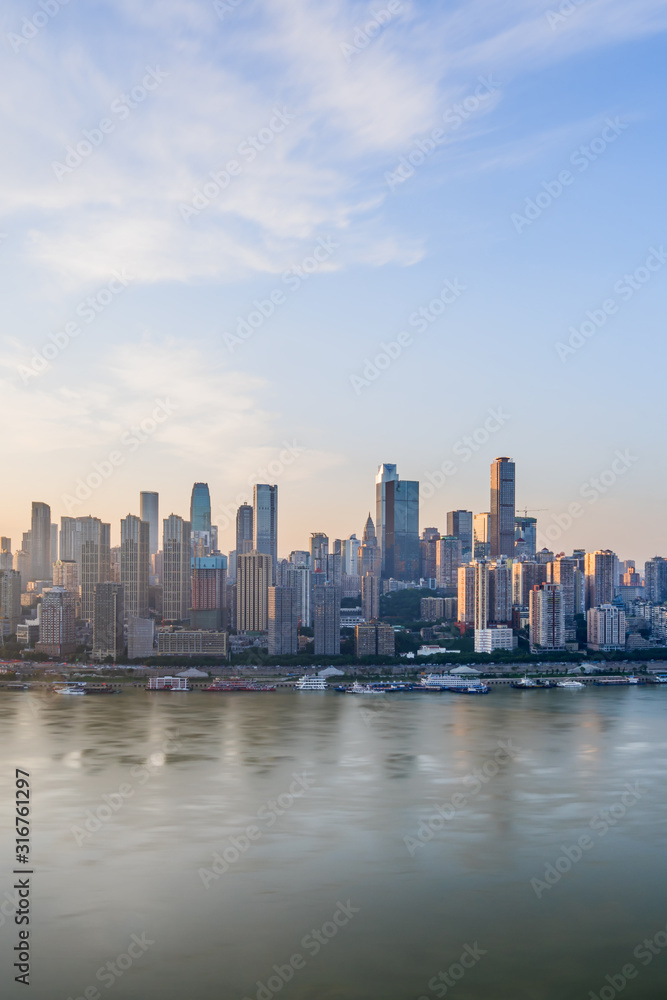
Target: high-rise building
265, 521
525, 536
108, 619
209, 591
374, 639
200, 520
605, 627
563, 571
428, 556
244, 529
466, 593
254, 576
54, 543
95, 556
135, 565
326, 620
431, 609
459, 524
70, 539
350, 550
397, 524
10, 601
114, 564
502, 513
481, 535
282, 621
22, 566
482, 595
176, 569
297, 576
140, 638
368, 555
334, 570
40, 542
57, 636
487, 640
370, 596
655, 573
600, 569
149, 507
500, 591
526, 574
447, 561
66, 575
319, 551
547, 623
6, 557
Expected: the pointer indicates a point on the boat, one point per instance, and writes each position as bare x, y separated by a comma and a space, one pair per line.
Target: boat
659, 679
524, 684
453, 682
73, 688
237, 685
167, 684
477, 687
365, 689
571, 685
307, 683
633, 680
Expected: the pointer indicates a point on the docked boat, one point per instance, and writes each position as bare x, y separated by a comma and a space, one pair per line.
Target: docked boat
237, 685
365, 689
453, 682
633, 680
524, 684
659, 679
571, 685
167, 684
74, 689
477, 687
307, 683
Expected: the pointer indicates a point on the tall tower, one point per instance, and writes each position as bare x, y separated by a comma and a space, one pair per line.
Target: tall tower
502, 513
254, 573
319, 551
176, 568
600, 567
200, 519
10, 601
466, 594
108, 639
209, 592
135, 565
95, 558
368, 554
547, 625
244, 529
482, 597
397, 523
57, 635
265, 521
459, 524
40, 546
282, 623
149, 505
326, 620
563, 572
481, 546
447, 561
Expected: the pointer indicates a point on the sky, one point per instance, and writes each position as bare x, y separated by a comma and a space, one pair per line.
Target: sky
215, 218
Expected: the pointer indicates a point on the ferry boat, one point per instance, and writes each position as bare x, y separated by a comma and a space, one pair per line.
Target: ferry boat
524, 684
365, 689
237, 685
453, 682
167, 684
659, 679
571, 685
307, 683
75, 687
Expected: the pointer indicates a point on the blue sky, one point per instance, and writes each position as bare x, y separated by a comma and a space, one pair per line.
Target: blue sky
332, 126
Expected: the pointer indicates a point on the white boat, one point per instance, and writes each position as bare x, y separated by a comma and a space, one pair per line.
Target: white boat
523, 683
307, 683
571, 684
633, 680
69, 689
364, 689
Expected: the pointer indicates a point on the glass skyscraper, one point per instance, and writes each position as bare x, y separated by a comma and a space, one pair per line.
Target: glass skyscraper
265, 522
200, 519
148, 511
397, 524
502, 513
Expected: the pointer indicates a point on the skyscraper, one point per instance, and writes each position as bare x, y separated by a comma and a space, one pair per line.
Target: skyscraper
482, 596
66, 574
448, 560
282, 621
481, 546
326, 620
502, 513
265, 521
428, 556
176, 569
95, 558
466, 594
40, 542
459, 524
350, 550
547, 624
297, 576
525, 536
70, 539
200, 519
254, 575
368, 554
244, 529
605, 627
135, 565
526, 574
600, 569
10, 601
370, 596
397, 524
500, 591
655, 573
319, 551
563, 571
209, 591
57, 635
108, 617
6, 557
149, 505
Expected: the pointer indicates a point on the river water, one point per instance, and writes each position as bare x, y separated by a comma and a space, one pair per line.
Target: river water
316, 846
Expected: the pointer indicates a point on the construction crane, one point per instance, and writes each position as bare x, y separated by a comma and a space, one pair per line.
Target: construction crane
533, 510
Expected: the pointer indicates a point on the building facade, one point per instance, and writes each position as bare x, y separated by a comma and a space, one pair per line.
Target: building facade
502, 513
397, 524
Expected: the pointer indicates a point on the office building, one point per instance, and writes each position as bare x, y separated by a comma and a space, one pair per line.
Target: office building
265, 521
283, 621
500, 591
489, 639
459, 524
370, 596
319, 551
428, 555
326, 620
297, 576
368, 554
57, 636
40, 542
6, 557
140, 638
600, 568
135, 565
200, 520
547, 622
447, 561
397, 524
526, 574
209, 592
481, 535
149, 507
244, 529
655, 579
605, 628
466, 593
254, 576
525, 536
10, 601
350, 552
374, 639
502, 513
176, 569
95, 556
108, 621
